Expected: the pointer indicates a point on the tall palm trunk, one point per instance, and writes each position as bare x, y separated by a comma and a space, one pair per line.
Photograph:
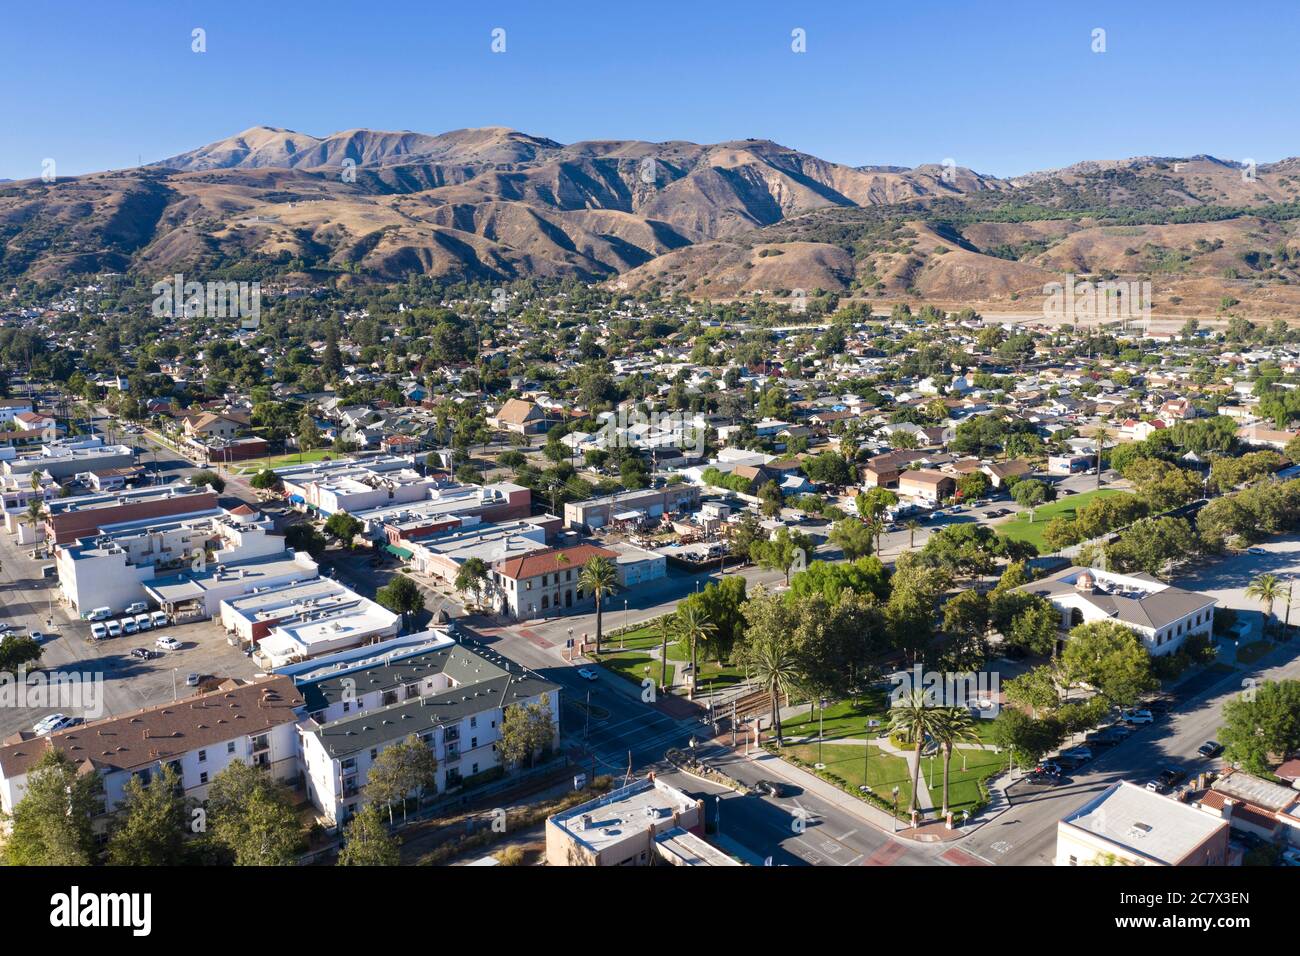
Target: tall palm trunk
947, 760
663, 657
599, 621
695, 674
916, 774
776, 715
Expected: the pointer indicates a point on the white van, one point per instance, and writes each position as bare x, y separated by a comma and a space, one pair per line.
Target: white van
144, 622
159, 618
137, 607
100, 614
129, 626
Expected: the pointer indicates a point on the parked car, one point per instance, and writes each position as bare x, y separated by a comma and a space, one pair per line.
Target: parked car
114, 628
98, 632
1172, 776
138, 607
1049, 766
168, 643
192, 680
159, 618
143, 653
1256, 551
53, 722
129, 626
1082, 754
5, 627
1157, 786
586, 673
1037, 778
1211, 748
144, 622
1138, 717
100, 614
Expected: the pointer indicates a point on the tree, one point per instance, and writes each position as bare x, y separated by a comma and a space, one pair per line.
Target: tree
1030, 493
912, 719
367, 842
784, 551
720, 603
831, 580
252, 817
966, 612
1265, 588
35, 515
264, 480
693, 628
401, 596
874, 502
471, 576
1035, 689
51, 825
953, 727
400, 770
1108, 656
304, 537
1154, 546
768, 653
152, 822
770, 499
1262, 725
18, 652
526, 731
973, 485
209, 478
915, 589
599, 578
853, 537
342, 527
1035, 626
1026, 737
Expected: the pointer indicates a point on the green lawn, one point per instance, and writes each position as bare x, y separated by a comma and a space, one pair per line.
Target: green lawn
963, 785
642, 639
1020, 528
633, 664
843, 719
883, 771
254, 465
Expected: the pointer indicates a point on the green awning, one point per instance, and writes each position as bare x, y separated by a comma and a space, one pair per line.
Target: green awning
403, 553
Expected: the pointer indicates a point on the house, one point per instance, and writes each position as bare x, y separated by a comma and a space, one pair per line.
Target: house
1000, 471
1162, 616
1257, 436
883, 471
1256, 806
35, 422
1129, 825
927, 485
209, 425
520, 417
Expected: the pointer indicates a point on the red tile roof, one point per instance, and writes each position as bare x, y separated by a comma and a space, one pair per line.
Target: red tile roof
544, 562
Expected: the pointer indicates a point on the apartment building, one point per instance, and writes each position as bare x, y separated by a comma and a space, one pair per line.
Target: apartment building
198, 737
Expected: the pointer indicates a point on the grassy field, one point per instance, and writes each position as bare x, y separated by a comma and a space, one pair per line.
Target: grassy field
883, 771
254, 465
1020, 528
843, 719
632, 647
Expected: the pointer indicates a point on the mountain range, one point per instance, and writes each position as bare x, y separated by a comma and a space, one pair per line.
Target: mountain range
717, 220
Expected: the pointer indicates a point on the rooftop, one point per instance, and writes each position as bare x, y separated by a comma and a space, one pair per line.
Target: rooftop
1146, 824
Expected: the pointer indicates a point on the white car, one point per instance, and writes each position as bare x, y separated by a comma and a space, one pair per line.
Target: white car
168, 643
36, 636
48, 725
129, 626
1138, 717
5, 628
98, 631
586, 673
114, 628
139, 607
143, 622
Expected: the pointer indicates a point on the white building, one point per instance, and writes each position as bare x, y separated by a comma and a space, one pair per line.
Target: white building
1162, 616
1128, 825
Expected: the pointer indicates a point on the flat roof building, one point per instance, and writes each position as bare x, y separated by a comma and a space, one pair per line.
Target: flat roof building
1130, 825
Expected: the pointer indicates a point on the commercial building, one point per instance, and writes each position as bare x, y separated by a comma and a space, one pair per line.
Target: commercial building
441, 555
447, 505
653, 503
1129, 825
451, 698
545, 582
645, 823
1162, 616
64, 460
354, 485
68, 519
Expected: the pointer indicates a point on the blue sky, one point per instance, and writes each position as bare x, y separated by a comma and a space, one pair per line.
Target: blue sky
1001, 87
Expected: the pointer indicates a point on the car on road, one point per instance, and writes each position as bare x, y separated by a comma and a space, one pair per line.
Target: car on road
192, 680
1211, 748
770, 788
168, 643
36, 636
1040, 778
98, 632
114, 629
586, 673
53, 722
1172, 776
1137, 717
1081, 754
1256, 551
143, 653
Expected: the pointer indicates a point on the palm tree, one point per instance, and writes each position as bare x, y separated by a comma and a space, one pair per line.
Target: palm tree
663, 652
954, 727
913, 720
599, 578
35, 515
912, 526
694, 626
1267, 588
776, 668
1101, 435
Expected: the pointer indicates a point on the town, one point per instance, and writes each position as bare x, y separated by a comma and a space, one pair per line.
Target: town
548, 574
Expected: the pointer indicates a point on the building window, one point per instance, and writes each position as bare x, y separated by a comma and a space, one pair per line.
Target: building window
203, 777
203, 756
230, 747
473, 721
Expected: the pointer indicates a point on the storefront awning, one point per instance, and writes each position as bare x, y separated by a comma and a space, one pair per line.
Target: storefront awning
404, 553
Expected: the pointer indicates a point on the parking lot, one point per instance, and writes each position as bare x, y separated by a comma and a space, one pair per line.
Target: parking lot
29, 602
